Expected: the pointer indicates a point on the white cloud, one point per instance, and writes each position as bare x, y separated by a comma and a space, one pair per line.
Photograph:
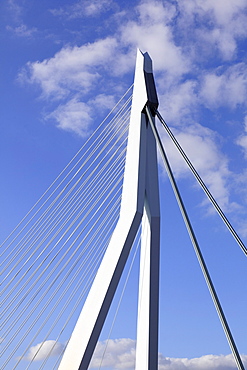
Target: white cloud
242, 140
200, 145
94, 7
83, 9
103, 101
18, 27
15, 9
22, 30
217, 25
71, 74
180, 101
44, 349
225, 88
224, 11
77, 116
152, 31
223, 40
119, 354
201, 363
240, 181
73, 116
71, 69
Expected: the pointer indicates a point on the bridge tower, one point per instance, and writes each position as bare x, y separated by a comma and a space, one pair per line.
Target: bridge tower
140, 203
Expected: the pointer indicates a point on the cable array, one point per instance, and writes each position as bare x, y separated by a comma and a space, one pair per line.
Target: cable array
202, 184
197, 249
51, 257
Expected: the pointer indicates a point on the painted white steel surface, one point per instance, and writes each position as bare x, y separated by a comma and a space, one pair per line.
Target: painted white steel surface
148, 303
142, 343
85, 335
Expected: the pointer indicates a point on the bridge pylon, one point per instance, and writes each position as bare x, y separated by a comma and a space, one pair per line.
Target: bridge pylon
140, 203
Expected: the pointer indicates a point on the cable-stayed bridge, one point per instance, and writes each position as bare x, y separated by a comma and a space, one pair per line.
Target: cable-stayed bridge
63, 262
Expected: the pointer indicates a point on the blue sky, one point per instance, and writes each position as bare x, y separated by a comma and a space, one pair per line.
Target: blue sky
64, 65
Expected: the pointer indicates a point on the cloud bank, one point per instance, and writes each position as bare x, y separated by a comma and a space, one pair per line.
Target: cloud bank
164, 30
119, 354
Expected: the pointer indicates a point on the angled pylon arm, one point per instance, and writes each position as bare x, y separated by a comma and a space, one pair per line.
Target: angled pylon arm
85, 335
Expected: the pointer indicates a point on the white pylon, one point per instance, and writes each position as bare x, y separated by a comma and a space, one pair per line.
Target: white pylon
140, 199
